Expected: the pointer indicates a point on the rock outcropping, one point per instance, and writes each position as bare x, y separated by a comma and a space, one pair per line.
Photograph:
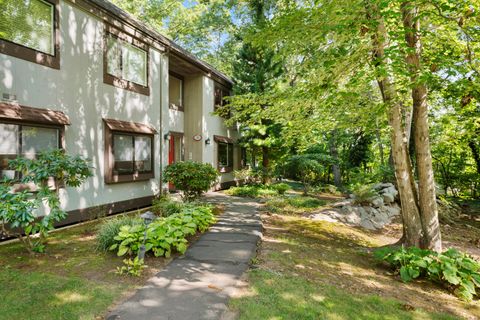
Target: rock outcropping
373, 213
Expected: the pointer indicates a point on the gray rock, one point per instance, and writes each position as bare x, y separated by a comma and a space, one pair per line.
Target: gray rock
393, 210
388, 198
377, 202
367, 224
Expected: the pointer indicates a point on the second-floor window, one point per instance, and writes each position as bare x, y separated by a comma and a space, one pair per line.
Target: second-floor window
29, 31
175, 92
125, 62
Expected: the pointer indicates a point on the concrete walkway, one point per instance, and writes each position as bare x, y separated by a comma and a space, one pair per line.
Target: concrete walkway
198, 285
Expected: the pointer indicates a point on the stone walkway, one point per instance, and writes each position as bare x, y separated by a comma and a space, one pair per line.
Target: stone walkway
199, 284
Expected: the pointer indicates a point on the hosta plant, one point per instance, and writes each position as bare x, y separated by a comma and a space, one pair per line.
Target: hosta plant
456, 270
164, 235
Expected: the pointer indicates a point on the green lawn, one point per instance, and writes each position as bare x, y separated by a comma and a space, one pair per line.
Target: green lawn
70, 281
319, 270
276, 297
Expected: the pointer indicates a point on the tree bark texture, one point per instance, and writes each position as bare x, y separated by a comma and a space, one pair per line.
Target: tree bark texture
403, 169
426, 184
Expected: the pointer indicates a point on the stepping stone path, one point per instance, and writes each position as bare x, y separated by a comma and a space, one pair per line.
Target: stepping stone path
199, 284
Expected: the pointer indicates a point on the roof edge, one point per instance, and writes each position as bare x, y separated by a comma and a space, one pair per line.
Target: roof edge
127, 18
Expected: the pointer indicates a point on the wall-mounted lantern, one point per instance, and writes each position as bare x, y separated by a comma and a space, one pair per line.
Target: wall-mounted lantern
207, 141
166, 136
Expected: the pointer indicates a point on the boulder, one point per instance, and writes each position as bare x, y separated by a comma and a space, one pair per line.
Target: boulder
367, 224
388, 198
377, 202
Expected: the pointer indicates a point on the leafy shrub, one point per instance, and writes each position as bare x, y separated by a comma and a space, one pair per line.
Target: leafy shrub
18, 209
131, 267
192, 178
109, 229
306, 169
164, 234
364, 194
281, 188
164, 206
253, 191
456, 270
243, 175
328, 188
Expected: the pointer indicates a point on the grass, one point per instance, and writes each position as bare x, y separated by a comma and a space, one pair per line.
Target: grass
319, 270
252, 191
293, 204
71, 280
283, 297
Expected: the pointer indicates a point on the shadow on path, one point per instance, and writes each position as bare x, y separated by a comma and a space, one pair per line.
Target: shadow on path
198, 285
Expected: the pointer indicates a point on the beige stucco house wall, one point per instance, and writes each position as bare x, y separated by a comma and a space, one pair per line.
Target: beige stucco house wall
78, 89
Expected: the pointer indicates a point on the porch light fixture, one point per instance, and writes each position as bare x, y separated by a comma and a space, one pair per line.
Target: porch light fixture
207, 141
148, 217
166, 136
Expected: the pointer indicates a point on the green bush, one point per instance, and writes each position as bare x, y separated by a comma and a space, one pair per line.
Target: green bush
165, 206
109, 229
131, 267
456, 270
305, 168
164, 234
192, 178
364, 193
252, 191
18, 209
281, 188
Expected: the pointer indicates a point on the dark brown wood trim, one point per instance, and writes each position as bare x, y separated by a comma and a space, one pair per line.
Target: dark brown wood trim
100, 211
173, 106
32, 55
16, 112
223, 139
118, 82
129, 126
109, 176
176, 133
122, 21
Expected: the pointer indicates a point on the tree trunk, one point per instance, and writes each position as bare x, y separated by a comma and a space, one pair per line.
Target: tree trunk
401, 159
337, 176
475, 153
266, 165
380, 144
426, 184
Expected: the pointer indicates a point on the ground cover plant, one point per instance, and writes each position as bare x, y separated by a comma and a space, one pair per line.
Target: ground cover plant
293, 204
258, 190
165, 234
455, 270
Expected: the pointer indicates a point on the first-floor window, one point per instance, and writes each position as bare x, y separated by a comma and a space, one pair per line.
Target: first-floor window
129, 150
132, 153
225, 156
26, 141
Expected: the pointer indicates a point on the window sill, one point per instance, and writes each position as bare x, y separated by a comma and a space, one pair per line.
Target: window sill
134, 177
175, 107
225, 169
125, 84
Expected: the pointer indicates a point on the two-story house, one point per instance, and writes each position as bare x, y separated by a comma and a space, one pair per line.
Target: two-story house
85, 76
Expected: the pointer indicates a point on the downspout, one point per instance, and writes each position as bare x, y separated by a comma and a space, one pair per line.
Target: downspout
162, 55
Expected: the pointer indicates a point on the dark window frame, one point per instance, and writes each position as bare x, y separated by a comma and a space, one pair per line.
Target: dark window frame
110, 176
60, 143
25, 53
230, 150
110, 79
182, 80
